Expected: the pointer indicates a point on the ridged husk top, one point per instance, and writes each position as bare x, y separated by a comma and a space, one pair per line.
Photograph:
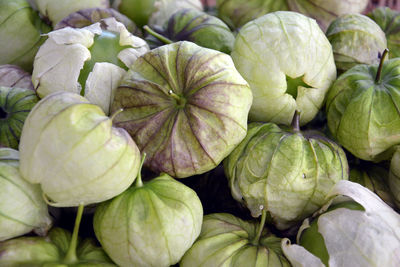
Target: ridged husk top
185, 106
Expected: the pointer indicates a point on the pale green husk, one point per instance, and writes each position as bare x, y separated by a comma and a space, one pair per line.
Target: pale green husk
226, 240
164, 9
21, 32
283, 46
152, 224
71, 149
356, 39
236, 13
325, 11
22, 208
389, 21
56, 10
50, 251
287, 172
363, 114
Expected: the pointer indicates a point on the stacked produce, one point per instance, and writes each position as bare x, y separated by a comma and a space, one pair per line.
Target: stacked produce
175, 133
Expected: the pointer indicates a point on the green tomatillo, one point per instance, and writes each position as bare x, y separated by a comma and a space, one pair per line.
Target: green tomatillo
389, 21
58, 248
356, 39
21, 32
325, 11
375, 177
288, 62
15, 105
22, 208
56, 10
285, 170
150, 224
89, 61
195, 26
71, 149
164, 9
237, 13
226, 240
153, 12
185, 106
362, 109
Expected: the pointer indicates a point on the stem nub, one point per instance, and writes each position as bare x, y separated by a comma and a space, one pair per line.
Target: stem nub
180, 100
139, 182
71, 257
163, 39
296, 121
379, 71
118, 111
256, 239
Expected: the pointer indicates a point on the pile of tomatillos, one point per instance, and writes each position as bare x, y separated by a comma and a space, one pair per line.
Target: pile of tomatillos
249, 133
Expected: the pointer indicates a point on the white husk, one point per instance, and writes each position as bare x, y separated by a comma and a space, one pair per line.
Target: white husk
60, 59
354, 237
299, 256
105, 76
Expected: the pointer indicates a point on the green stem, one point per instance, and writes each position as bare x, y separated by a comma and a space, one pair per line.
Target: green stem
174, 96
163, 39
296, 121
180, 101
71, 257
256, 239
116, 113
139, 182
379, 71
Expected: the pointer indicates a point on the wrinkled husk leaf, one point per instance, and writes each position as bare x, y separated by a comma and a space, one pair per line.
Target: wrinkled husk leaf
356, 39
164, 9
198, 27
15, 76
50, 251
20, 33
374, 177
87, 17
362, 114
71, 149
149, 225
56, 10
394, 176
389, 21
325, 11
15, 105
352, 237
289, 173
22, 208
195, 132
59, 62
236, 13
226, 240
279, 47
